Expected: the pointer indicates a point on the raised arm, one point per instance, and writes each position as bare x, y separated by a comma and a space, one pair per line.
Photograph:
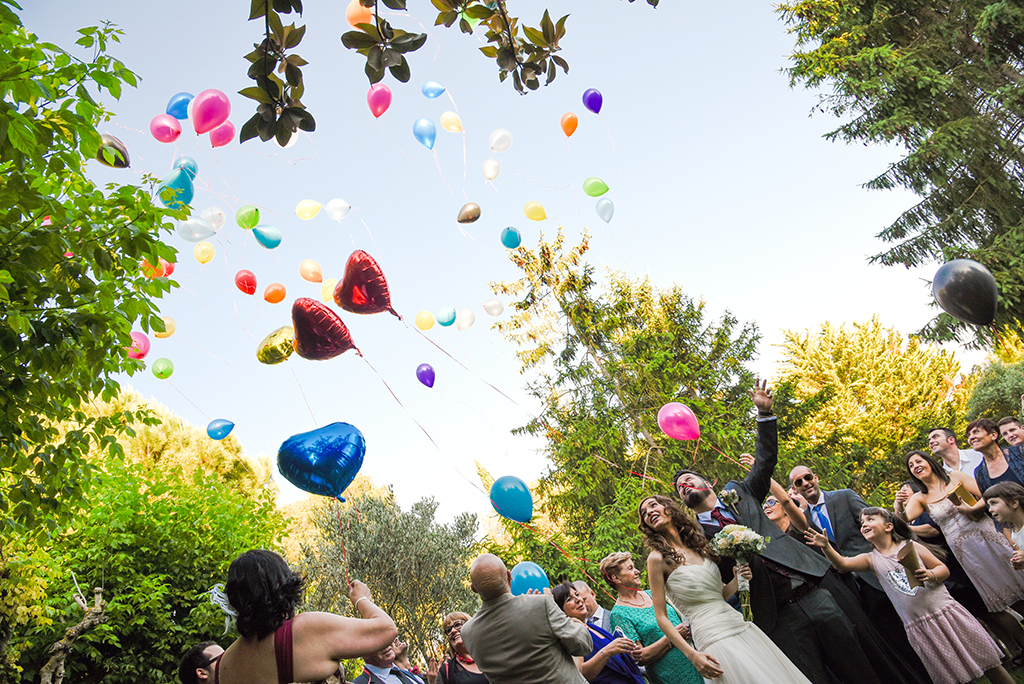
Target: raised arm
934, 570
766, 455
909, 508
860, 563
322, 637
705, 664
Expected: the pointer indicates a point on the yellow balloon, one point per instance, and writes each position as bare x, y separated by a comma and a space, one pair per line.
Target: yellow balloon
450, 121
277, 346
169, 327
327, 290
204, 252
424, 320
535, 211
307, 209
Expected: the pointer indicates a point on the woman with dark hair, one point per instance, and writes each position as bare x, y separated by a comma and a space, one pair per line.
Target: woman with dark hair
612, 660
681, 567
277, 646
459, 668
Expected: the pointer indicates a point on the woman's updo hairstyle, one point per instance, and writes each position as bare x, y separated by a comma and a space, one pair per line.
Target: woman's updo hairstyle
264, 592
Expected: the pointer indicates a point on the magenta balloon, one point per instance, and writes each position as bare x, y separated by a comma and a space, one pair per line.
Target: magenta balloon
165, 128
223, 134
210, 109
592, 100
140, 346
678, 422
379, 99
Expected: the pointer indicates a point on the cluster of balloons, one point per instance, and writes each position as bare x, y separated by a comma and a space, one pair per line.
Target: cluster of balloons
323, 461
463, 320
209, 111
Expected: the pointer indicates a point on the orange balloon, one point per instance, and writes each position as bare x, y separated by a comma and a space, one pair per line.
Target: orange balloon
151, 271
274, 293
569, 123
357, 14
310, 271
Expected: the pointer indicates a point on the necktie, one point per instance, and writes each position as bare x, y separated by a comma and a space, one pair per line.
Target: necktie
721, 517
823, 522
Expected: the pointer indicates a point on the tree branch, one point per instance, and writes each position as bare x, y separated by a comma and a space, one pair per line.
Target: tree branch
53, 671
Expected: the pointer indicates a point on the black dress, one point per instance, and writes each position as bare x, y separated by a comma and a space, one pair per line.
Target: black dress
452, 672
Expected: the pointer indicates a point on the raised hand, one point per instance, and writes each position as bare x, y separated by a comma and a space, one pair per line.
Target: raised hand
762, 396
815, 538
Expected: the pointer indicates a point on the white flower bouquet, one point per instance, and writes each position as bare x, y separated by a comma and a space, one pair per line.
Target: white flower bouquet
740, 542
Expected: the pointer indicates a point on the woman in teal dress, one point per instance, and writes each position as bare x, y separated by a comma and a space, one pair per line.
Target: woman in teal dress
633, 613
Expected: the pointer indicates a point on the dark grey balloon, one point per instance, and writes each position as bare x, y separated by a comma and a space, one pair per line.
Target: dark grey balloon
966, 291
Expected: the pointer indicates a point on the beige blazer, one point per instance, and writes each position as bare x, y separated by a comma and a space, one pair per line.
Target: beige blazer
516, 639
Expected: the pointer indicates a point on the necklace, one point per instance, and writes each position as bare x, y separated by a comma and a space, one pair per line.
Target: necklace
464, 659
643, 601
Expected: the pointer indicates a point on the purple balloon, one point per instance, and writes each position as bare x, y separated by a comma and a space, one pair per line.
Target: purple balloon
425, 374
593, 100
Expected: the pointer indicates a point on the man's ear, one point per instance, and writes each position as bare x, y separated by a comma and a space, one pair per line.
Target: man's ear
202, 674
473, 587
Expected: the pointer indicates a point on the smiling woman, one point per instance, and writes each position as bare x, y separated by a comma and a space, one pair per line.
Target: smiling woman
460, 667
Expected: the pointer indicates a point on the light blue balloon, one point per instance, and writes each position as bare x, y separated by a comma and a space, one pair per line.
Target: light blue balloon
511, 237
177, 106
528, 575
446, 317
268, 236
433, 89
425, 132
175, 190
188, 165
605, 209
195, 230
219, 428
512, 499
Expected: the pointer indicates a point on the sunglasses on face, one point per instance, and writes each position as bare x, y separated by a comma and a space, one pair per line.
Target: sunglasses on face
454, 627
771, 502
799, 482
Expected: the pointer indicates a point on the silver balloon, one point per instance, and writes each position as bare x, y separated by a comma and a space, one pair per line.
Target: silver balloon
966, 291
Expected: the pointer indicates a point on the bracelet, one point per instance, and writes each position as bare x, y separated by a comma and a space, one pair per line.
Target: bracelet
361, 598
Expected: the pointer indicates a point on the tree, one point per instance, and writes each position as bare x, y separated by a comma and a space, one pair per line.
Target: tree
71, 281
944, 81
1000, 383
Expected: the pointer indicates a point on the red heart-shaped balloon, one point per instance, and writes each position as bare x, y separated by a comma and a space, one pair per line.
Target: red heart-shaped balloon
319, 333
363, 290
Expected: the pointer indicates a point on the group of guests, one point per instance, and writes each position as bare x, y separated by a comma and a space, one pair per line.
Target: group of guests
843, 592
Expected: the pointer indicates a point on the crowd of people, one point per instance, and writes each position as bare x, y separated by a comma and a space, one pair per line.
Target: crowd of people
929, 591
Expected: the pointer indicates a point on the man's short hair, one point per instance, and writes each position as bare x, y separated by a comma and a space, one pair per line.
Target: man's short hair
1007, 420
986, 424
946, 431
685, 471
194, 659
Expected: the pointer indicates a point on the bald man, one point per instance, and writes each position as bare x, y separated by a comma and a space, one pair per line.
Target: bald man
516, 639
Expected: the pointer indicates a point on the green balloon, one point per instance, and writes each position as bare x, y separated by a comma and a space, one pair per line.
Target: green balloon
162, 368
595, 187
248, 217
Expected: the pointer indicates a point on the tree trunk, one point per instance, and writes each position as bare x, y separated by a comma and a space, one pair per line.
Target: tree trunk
53, 671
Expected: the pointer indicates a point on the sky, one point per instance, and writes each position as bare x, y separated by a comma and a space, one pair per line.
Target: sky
721, 180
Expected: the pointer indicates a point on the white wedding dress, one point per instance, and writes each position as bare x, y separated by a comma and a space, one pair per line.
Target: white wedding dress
745, 654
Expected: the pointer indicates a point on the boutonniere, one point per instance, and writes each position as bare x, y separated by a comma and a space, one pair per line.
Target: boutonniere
730, 497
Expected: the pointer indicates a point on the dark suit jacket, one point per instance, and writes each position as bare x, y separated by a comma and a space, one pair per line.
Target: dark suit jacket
844, 507
369, 678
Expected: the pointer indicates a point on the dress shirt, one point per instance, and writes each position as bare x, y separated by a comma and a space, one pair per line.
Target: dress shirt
708, 519
820, 511
388, 674
969, 461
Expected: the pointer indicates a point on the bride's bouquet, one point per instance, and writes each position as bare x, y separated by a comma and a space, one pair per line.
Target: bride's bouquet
740, 542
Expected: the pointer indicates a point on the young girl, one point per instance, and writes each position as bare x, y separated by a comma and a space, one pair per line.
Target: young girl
1006, 504
953, 646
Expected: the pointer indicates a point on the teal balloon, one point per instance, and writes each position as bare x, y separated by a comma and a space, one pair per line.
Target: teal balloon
511, 237
432, 89
446, 317
188, 164
323, 461
268, 236
219, 428
605, 209
425, 131
512, 499
175, 190
527, 576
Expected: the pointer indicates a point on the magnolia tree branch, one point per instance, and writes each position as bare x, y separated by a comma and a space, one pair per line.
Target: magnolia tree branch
53, 671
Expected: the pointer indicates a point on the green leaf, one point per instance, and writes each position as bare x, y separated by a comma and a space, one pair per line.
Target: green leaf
276, 27
248, 130
490, 51
254, 93
257, 9
535, 36
21, 136
294, 37
394, 4
401, 72
548, 28
560, 29
409, 42
479, 12
355, 40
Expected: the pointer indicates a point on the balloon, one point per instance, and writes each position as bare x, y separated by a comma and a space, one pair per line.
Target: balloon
512, 499
424, 320
500, 140
219, 428
222, 135
167, 267
140, 346
491, 168
605, 209
432, 89
593, 100
327, 289
277, 346
528, 576
169, 327
203, 252
268, 236
275, 293
177, 106
151, 271
323, 461
569, 124
494, 307
446, 316
535, 211
425, 374
678, 422
194, 230
175, 190
247, 217
117, 151
594, 186
214, 216
511, 237
469, 212
188, 165
210, 109
165, 128
162, 368
451, 122
465, 319
307, 209
356, 14
319, 333
337, 209
310, 270
363, 289
966, 291
379, 98
246, 281
425, 131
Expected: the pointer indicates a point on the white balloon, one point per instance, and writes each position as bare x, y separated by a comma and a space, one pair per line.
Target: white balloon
500, 140
215, 216
494, 307
465, 319
605, 209
491, 168
337, 209
194, 230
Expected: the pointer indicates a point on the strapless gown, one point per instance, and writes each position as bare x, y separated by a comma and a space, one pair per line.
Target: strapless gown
746, 655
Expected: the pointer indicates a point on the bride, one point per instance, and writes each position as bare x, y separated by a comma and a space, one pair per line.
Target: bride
681, 566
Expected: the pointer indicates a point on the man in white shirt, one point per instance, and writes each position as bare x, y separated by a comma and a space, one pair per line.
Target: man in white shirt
379, 668
942, 442
596, 615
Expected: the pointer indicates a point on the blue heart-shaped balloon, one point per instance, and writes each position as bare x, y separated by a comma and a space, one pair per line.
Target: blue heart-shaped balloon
323, 461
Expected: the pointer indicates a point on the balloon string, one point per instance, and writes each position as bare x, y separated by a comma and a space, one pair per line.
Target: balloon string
372, 239
344, 553
528, 180
643, 476
292, 368
730, 458
189, 400
256, 150
474, 410
441, 173
381, 127
204, 351
568, 557
464, 164
568, 153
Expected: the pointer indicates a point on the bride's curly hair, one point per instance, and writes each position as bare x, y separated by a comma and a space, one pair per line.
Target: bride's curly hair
690, 531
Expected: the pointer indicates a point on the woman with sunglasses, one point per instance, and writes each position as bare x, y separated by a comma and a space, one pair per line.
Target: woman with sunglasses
459, 668
781, 508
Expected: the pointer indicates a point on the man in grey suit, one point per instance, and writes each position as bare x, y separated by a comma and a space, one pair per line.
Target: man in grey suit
526, 638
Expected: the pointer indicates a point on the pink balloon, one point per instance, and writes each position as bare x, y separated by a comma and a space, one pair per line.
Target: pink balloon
223, 134
140, 346
678, 422
210, 109
379, 99
165, 128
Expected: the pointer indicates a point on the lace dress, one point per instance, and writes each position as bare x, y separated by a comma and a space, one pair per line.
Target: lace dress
640, 624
